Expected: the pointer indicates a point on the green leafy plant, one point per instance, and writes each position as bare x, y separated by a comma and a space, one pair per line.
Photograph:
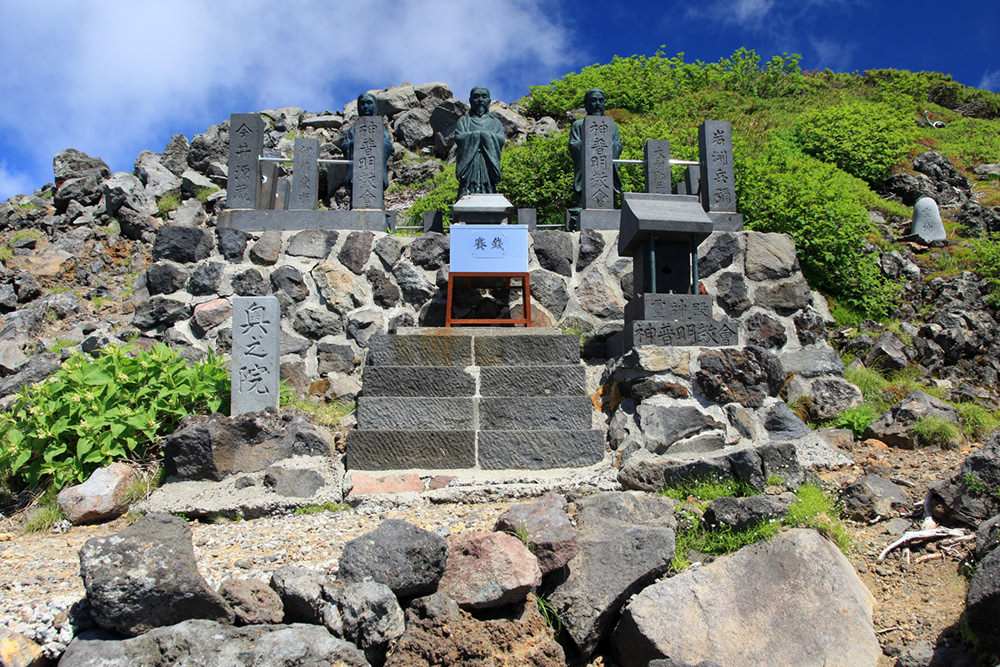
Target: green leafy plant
95, 411
856, 419
975, 484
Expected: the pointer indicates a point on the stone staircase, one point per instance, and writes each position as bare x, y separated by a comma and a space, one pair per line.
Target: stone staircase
487, 398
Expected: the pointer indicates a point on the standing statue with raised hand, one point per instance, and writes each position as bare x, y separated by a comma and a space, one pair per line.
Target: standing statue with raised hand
366, 107
593, 102
479, 138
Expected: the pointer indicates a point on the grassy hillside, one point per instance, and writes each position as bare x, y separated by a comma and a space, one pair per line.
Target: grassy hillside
811, 148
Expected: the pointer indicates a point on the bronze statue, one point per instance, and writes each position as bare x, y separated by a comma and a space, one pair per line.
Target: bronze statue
479, 137
593, 102
366, 107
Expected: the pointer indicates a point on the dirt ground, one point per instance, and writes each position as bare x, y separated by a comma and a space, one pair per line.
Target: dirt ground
919, 591
919, 596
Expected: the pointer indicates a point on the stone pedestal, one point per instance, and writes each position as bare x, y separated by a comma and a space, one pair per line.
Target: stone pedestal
487, 209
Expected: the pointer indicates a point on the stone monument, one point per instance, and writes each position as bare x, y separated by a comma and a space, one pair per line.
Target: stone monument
255, 365
246, 143
305, 174
368, 146
594, 145
926, 226
479, 138
717, 185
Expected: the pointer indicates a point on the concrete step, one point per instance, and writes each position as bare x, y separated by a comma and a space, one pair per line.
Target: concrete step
429, 381
402, 449
418, 413
450, 349
532, 380
535, 413
526, 350
538, 450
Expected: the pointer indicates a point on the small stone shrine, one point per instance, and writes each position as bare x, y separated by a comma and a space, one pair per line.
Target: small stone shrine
661, 233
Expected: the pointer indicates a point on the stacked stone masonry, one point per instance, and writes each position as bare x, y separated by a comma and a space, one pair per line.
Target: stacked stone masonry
487, 398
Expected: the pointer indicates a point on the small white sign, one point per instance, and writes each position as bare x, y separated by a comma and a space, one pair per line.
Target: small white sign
489, 248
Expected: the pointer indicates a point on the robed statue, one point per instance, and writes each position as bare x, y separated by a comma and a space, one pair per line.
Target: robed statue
479, 137
366, 107
593, 102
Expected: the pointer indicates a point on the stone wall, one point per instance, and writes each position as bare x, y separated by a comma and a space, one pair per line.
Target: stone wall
337, 289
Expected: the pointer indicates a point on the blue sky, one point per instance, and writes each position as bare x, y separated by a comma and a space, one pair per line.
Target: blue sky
114, 77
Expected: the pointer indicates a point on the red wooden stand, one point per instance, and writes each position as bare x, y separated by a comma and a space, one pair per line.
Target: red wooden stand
469, 275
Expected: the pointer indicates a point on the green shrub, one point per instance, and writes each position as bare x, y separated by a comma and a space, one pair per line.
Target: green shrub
782, 190
986, 259
442, 195
638, 83
864, 139
936, 431
539, 174
92, 412
969, 141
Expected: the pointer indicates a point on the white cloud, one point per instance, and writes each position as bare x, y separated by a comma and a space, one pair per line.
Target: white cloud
114, 77
833, 54
14, 183
990, 80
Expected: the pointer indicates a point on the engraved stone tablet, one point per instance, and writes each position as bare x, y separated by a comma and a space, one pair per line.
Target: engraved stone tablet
246, 143
715, 142
366, 190
709, 333
657, 156
598, 162
305, 174
255, 367
679, 308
